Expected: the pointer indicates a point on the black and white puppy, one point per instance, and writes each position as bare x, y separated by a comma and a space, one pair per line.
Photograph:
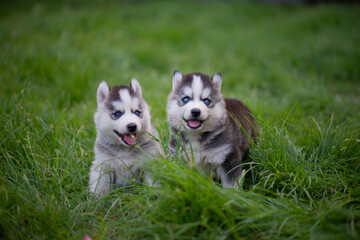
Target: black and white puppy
217, 131
123, 125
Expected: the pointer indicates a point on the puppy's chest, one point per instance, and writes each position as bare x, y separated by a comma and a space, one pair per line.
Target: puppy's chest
120, 159
208, 158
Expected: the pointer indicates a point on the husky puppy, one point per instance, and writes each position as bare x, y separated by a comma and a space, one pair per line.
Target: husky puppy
122, 119
214, 129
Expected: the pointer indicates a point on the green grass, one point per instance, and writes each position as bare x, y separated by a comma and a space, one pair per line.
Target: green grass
297, 67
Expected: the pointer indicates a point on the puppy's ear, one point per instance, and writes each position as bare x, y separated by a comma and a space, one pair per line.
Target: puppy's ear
217, 79
135, 86
102, 92
176, 79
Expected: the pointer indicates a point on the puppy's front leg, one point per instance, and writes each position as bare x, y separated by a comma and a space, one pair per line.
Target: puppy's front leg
100, 180
149, 180
228, 179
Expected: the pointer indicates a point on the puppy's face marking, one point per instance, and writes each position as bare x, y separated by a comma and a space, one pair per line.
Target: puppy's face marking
120, 113
195, 102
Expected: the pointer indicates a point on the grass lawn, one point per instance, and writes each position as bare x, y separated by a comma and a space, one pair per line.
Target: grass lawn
297, 67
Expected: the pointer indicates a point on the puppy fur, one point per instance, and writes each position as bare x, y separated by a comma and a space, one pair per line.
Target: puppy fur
123, 126
218, 131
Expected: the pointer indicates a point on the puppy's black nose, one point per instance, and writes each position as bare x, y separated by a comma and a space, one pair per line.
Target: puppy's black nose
132, 127
195, 112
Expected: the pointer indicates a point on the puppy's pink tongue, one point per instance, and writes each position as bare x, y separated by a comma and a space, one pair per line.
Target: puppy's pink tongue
129, 139
194, 123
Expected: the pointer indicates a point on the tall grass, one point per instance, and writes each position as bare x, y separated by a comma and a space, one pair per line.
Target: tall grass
295, 66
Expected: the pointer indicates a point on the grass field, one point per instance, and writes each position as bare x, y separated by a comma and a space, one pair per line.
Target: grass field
297, 67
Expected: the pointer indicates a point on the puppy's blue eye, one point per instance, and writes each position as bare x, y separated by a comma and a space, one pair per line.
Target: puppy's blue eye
185, 99
207, 101
137, 113
117, 114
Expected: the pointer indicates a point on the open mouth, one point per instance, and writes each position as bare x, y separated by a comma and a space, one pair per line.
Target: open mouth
193, 123
129, 139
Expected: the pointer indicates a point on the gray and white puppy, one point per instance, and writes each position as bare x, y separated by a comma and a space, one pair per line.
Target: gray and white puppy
209, 125
122, 119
